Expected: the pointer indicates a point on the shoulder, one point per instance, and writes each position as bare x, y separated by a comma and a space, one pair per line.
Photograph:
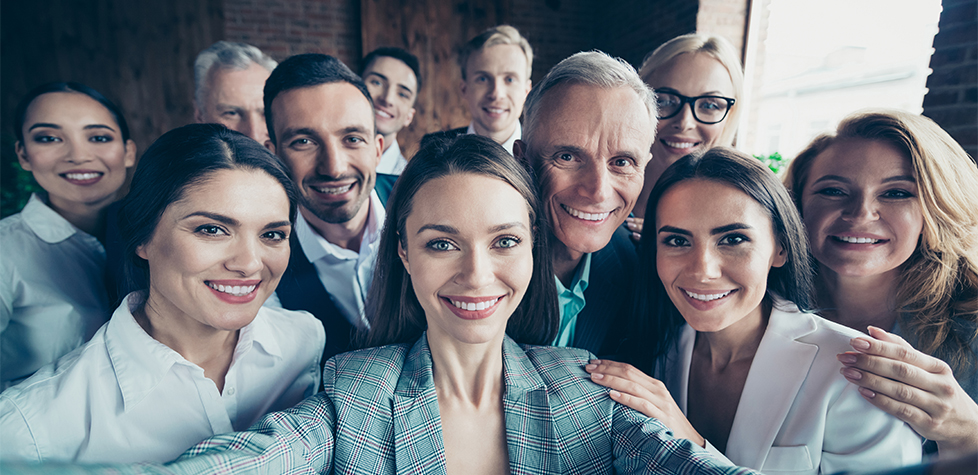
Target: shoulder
293, 328
368, 369
562, 369
618, 254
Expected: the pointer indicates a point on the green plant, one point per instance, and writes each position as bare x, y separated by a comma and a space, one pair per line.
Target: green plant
773, 161
16, 184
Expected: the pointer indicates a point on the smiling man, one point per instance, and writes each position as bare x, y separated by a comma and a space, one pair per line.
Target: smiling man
589, 127
393, 77
496, 67
228, 82
321, 124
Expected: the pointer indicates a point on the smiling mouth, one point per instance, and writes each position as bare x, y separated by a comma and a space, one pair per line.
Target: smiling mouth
585, 216
81, 176
856, 240
235, 290
384, 114
495, 110
333, 190
474, 306
707, 297
682, 145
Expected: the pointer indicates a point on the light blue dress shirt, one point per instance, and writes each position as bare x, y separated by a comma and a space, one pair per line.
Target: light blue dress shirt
571, 301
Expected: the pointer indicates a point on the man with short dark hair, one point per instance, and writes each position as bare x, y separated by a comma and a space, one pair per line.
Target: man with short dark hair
321, 124
496, 67
393, 77
228, 81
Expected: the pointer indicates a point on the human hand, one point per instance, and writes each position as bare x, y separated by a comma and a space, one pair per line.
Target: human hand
914, 387
637, 390
635, 226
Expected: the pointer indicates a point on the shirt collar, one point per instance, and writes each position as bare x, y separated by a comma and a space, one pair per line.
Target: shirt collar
508, 144
391, 160
45, 222
316, 247
580, 281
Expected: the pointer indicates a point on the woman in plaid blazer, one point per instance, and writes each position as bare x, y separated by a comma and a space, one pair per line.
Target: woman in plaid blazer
449, 391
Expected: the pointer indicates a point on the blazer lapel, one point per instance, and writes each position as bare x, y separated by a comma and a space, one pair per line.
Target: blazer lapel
530, 435
780, 366
418, 443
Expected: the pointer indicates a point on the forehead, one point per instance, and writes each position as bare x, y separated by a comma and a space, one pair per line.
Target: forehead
601, 120
706, 204
693, 74
326, 107
496, 59
231, 83
861, 159
242, 194
449, 200
394, 70
67, 107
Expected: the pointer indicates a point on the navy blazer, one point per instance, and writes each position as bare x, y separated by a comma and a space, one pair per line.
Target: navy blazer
301, 289
607, 297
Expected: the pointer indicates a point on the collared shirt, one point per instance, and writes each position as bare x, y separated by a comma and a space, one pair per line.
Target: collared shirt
508, 144
345, 274
52, 289
571, 301
125, 397
392, 162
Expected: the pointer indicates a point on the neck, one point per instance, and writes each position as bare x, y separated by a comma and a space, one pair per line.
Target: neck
738, 342
468, 372
347, 235
499, 137
857, 302
566, 261
389, 140
207, 347
88, 217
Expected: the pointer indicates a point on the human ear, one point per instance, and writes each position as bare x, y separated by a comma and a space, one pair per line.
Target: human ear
22, 156
403, 255
130, 147
781, 258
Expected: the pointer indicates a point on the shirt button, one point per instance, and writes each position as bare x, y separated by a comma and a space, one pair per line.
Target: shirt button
230, 392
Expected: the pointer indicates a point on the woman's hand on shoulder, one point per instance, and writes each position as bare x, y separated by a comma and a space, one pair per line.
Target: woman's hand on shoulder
639, 391
914, 387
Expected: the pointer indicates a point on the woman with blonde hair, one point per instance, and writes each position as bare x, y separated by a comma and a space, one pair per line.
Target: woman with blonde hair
892, 215
701, 71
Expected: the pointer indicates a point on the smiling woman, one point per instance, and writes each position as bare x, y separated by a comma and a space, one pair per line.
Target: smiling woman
191, 352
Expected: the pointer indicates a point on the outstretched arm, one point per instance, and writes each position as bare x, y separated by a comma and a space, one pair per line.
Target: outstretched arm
914, 387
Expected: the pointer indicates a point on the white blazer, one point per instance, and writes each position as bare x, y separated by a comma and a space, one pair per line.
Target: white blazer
797, 413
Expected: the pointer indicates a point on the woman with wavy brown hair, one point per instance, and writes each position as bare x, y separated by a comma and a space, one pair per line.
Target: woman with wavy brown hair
892, 215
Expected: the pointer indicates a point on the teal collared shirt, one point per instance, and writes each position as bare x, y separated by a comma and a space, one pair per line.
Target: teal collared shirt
571, 301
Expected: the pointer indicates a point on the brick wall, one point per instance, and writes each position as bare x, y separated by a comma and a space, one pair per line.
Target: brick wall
283, 28
952, 97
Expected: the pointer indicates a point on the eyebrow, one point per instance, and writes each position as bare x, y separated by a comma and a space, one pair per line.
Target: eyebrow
56, 126
717, 230
226, 220
673, 91
843, 179
292, 132
450, 230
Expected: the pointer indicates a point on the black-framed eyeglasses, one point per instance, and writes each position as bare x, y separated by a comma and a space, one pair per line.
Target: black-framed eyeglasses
706, 109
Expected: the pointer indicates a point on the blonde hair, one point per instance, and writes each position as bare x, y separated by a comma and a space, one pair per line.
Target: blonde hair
937, 295
497, 35
717, 48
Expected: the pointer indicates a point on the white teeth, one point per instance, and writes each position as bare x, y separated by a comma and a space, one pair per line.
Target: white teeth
493, 110
82, 176
235, 290
384, 114
475, 306
680, 144
586, 216
857, 240
333, 190
707, 297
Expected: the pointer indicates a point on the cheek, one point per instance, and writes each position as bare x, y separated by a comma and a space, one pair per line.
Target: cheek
711, 133
277, 260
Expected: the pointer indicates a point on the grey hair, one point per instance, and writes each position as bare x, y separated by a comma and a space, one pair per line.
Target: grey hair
226, 55
593, 68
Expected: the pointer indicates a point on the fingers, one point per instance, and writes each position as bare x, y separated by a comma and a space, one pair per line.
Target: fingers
624, 371
635, 226
644, 406
913, 415
630, 386
888, 346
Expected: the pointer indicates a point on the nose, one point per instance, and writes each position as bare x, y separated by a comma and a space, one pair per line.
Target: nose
595, 183
685, 119
476, 270
331, 160
78, 151
859, 208
705, 264
254, 126
245, 256
494, 87
387, 96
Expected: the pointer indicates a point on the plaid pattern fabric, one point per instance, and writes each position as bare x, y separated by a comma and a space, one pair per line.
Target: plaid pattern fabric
379, 414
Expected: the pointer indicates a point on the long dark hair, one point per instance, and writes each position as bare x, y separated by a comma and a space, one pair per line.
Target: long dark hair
182, 158
654, 321
393, 309
20, 113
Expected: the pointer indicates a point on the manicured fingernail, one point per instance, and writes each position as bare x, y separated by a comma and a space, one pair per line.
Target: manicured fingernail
590, 367
614, 394
597, 376
859, 344
867, 393
846, 358
852, 374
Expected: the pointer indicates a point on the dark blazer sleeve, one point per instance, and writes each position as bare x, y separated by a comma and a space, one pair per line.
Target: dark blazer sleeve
607, 296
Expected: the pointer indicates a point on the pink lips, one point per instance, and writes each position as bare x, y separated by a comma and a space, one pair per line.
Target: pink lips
471, 314
82, 177
229, 285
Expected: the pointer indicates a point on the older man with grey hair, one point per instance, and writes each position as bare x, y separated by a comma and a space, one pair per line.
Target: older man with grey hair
228, 81
587, 131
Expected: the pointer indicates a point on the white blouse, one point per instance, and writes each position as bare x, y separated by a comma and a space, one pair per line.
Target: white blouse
125, 397
52, 290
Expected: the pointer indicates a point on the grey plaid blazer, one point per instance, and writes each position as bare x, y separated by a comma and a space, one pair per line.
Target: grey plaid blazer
379, 414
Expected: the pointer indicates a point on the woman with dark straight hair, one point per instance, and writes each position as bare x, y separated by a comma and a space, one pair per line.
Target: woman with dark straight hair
191, 352
76, 144
721, 320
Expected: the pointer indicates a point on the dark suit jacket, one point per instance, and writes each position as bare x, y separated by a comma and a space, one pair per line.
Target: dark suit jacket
444, 134
301, 289
607, 297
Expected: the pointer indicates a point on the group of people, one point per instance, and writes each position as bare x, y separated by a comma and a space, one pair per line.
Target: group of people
293, 295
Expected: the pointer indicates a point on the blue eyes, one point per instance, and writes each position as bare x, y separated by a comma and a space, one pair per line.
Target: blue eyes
443, 245
213, 230
675, 240
440, 245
